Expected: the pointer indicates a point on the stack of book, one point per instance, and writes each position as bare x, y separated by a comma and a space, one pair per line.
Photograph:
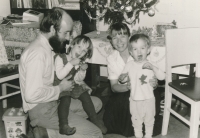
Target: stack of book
46, 4
12, 19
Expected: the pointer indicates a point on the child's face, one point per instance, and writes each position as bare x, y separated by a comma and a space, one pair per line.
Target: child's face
140, 50
79, 50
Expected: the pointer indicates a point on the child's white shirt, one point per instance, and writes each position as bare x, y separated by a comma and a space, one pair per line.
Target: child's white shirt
139, 79
63, 70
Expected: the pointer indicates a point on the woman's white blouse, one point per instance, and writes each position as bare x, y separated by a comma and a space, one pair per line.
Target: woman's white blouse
115, 65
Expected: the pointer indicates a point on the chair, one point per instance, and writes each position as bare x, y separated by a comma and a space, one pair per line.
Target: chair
182, 48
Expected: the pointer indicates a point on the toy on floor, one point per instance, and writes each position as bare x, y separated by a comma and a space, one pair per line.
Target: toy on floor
15, 122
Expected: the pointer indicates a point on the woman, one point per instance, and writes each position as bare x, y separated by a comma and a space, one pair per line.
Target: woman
117, 116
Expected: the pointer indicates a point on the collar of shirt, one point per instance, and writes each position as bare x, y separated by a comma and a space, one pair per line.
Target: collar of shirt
119, 58
46, 43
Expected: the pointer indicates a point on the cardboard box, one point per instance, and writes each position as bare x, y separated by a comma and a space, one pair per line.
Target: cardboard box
33, 16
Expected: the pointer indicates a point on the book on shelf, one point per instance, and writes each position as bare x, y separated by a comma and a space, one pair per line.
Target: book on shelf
27, 3
36, 4
40, 4
14, 3
19, 4
66, 1
49, 4
70, 6
46, 4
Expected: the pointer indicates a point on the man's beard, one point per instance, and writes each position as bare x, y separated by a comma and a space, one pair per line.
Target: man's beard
58, 45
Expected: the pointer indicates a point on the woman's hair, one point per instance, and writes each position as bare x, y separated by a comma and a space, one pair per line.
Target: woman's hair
52, 17
136, 37
86, 40
121, 28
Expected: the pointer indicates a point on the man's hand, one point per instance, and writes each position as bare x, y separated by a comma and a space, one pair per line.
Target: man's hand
86, 87
66, 84
153, 82
83, 66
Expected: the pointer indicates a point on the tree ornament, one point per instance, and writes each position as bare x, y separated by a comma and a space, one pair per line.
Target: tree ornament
122, 7
117, 5
128, 8
139, 1
101, 2
139, 4
119, 1
89, 3
151, 12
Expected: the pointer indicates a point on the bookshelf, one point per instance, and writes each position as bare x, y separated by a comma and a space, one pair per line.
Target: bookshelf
77, 15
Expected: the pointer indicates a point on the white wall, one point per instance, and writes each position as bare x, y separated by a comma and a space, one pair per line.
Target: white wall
185, 12
4, 8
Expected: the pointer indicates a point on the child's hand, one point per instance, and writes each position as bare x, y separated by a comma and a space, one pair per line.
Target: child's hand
75, 61
147, 65
86, 87
83, 66
123, 78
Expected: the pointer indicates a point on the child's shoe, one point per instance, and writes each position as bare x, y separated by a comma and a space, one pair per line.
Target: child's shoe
67, 130
99, 123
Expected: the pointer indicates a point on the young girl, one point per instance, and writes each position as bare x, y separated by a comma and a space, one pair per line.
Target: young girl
72, 63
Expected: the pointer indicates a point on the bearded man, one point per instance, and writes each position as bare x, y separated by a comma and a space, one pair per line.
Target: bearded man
36, 70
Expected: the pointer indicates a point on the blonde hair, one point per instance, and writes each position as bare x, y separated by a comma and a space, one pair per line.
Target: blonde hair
136, 37
85, 40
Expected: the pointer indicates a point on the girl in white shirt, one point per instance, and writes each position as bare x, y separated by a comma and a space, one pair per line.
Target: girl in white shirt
73, 63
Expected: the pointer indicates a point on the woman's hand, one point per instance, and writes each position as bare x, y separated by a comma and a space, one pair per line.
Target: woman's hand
123, 78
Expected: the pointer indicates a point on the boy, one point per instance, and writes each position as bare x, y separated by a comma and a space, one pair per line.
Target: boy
140, 70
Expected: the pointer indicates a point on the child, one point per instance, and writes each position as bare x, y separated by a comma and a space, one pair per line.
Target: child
72, 63
139, 71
